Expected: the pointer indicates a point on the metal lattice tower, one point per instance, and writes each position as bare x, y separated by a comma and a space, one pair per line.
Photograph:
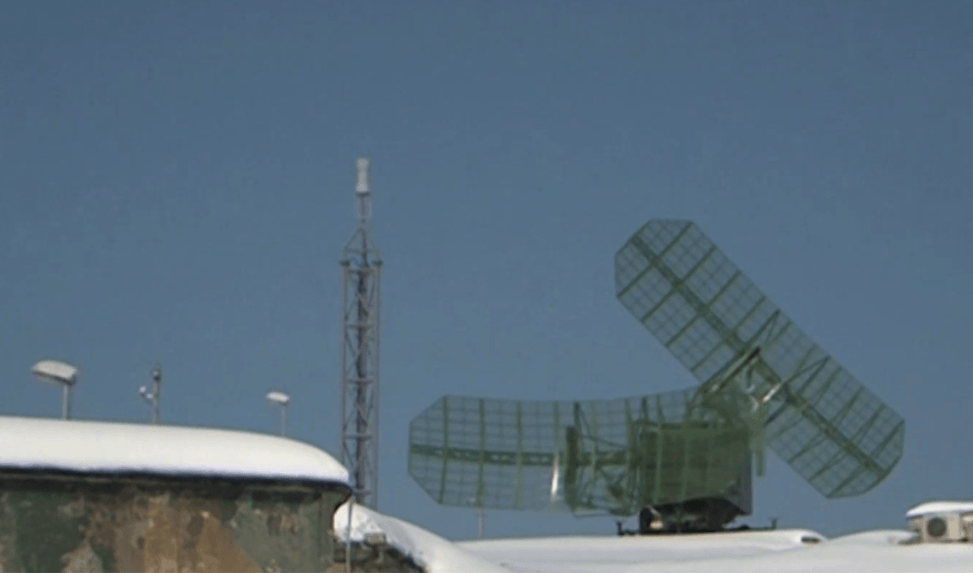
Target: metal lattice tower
360, 271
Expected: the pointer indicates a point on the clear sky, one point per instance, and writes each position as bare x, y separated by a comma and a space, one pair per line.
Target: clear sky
177, 183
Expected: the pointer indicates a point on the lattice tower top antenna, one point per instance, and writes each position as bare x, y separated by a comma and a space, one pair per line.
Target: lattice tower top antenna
361, 264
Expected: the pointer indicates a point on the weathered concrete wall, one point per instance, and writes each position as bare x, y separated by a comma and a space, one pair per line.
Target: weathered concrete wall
98, 524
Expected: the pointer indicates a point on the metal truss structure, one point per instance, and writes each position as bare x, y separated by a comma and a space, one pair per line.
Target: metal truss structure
360, 272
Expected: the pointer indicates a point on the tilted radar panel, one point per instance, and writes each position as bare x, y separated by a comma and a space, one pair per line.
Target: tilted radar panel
819, 419
613, 456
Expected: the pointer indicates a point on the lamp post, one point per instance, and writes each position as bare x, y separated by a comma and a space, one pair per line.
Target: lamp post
56, 372
282, 400
153, 397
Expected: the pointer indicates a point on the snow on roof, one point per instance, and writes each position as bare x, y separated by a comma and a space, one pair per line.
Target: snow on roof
584, 554
428, 550
939, 507
111, 447
730, 552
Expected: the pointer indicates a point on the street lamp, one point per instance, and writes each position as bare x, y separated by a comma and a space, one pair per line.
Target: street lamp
281, 399
153, 397
57, 372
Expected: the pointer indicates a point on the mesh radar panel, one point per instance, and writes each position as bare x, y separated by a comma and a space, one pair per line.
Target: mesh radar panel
613, 456
835, 433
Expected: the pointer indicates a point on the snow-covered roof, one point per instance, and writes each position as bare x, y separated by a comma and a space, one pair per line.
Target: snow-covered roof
939, 507
729, 552
585, 554
111, 447
430, 551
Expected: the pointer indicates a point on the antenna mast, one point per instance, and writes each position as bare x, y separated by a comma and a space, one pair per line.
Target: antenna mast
360, 269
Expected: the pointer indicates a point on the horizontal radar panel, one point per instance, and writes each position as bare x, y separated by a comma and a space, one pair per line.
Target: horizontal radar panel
611, 456
815, 415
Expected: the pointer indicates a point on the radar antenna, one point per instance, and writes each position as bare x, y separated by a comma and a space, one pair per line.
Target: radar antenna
681, 459
588, 457
812, 412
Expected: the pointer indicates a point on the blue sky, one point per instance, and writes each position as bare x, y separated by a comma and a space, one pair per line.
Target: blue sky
176, 185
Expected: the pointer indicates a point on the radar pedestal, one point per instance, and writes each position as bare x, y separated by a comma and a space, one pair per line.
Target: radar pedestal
701, 514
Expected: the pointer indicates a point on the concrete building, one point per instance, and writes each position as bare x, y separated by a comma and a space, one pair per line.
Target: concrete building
98, 496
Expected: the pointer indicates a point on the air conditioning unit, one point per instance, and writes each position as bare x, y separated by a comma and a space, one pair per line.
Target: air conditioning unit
942, 521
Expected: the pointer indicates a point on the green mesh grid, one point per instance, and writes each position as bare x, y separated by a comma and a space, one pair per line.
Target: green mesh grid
835, 433
615, 456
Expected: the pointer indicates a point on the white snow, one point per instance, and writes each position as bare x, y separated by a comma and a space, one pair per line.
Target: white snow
80, 445
585, 554
780, 551
428, 550
738, 552
933, 507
